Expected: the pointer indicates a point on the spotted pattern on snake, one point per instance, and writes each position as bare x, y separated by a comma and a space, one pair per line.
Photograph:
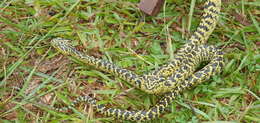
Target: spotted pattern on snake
168, 80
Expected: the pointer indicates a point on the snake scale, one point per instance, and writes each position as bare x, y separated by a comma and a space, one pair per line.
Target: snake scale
168, 80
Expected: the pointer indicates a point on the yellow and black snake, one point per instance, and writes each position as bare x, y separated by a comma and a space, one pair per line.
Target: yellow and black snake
168, 80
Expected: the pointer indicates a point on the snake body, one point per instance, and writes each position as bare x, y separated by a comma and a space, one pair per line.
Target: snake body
168, 80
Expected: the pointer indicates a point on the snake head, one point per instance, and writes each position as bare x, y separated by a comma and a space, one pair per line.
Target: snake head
62, 45
59, 42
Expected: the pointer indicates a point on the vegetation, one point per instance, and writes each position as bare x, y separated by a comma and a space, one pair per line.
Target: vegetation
34, 77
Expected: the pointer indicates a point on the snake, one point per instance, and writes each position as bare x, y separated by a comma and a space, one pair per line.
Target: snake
167, 81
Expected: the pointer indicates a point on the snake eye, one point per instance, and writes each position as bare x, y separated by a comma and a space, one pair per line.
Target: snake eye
167, 84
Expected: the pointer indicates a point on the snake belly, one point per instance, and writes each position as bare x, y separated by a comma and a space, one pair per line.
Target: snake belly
168, 80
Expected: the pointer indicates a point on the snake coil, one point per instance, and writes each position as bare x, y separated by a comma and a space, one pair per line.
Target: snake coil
168, 80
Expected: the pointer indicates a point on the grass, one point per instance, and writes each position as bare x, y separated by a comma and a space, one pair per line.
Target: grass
34, 77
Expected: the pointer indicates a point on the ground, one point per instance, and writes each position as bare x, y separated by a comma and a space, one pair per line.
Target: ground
34, 77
